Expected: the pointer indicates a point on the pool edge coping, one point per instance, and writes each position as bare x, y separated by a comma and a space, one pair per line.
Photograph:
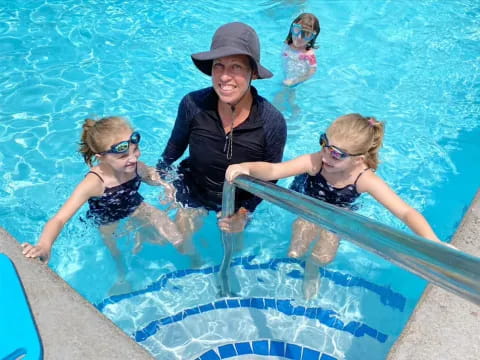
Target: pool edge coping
454, 333
69, 326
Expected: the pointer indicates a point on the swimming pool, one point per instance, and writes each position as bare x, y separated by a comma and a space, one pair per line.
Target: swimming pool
62, 61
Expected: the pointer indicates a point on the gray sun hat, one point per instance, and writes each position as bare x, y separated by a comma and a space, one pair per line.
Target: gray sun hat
235, 38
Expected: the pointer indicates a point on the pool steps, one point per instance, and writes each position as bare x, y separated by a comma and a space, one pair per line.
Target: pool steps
177, 329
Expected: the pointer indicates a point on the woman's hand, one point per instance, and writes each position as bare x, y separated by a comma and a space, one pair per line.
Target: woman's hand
40, 251
235, 170
235, 223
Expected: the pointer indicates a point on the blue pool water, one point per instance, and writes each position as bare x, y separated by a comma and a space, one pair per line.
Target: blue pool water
413, 64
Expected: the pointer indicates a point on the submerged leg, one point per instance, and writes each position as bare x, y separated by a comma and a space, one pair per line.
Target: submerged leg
189, 221
164, 229
323, 253
108, 235
303, 233
293, 104
279, 100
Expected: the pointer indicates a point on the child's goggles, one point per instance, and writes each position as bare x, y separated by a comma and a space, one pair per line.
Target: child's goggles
336, 153
298, 31
123, 146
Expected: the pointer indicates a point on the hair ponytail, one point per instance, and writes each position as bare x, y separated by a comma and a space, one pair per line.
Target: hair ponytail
96, 135
364, 135
85, 144
377, 130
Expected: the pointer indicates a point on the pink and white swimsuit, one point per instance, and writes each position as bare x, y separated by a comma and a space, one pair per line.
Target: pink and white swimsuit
296, 63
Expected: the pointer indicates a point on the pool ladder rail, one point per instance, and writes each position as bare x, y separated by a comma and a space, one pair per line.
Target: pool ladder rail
451, 269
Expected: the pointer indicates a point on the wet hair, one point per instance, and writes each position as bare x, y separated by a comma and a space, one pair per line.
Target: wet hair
364, 135
309, 22
98, 134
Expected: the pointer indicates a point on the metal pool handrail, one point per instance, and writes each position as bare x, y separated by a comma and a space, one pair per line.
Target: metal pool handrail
448, 268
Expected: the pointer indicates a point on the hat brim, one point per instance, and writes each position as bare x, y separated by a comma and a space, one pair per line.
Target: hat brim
203, 60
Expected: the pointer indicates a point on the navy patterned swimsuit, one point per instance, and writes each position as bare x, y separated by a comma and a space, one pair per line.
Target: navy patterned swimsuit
317, 187
116, 203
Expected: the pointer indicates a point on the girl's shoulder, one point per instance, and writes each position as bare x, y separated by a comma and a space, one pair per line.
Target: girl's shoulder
367, 180
99, 177
95, 172
310, 54
314, 162
92, 184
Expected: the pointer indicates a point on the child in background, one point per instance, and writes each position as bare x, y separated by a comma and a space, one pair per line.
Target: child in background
299, 61
338, 174
111, 189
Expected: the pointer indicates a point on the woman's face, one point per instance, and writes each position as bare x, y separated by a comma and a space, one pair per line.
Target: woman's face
231, 76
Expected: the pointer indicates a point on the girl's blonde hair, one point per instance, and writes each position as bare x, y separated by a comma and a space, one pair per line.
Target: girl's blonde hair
97, 135
364, 135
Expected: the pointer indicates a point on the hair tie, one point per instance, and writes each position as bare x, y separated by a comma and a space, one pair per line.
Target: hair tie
371, 121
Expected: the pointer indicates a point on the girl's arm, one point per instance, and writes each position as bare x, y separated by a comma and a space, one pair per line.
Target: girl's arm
371, 183
151, 176
269, 171
312, 61
300, 79
90, 186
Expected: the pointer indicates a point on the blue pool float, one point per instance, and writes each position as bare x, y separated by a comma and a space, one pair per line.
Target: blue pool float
19, 338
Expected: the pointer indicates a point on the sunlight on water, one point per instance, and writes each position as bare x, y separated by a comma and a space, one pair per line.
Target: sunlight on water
63, 61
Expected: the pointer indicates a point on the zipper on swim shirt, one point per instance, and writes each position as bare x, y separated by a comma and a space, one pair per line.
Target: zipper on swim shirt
228, 146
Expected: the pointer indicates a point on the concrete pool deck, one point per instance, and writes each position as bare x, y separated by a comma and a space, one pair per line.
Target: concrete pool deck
69, 326
443, 325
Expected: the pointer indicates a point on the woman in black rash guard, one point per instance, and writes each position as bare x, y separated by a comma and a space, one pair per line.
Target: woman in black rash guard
227, 123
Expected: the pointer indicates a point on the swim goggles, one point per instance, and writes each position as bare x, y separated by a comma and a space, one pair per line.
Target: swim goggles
335, 152
298, 31
123, 146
